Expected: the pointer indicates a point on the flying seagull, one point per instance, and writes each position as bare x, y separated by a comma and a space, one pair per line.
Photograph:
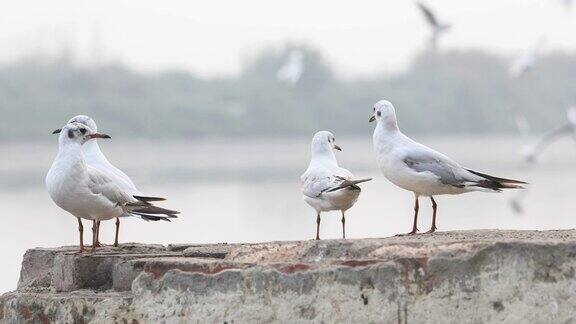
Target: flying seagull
517, 200
438, 28
94, 157
325, 185
569, 128
88, 193
417, 168
527, 60
292, 69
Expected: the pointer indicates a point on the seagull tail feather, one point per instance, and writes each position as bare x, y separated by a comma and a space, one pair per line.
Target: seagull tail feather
349, 183
153, 218
496, 183
155, 210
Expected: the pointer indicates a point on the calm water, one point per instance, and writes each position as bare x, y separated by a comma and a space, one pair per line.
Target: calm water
248, 191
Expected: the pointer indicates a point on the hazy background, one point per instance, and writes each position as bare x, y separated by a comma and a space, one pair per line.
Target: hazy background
190, 94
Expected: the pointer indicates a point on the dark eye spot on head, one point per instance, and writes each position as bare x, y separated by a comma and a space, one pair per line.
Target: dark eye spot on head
70, 134
379, 114
83, 130
374, 109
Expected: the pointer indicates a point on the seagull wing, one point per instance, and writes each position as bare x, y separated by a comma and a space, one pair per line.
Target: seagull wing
447, 171
314, 187
101, 184
428, 14
450, 173
545, 140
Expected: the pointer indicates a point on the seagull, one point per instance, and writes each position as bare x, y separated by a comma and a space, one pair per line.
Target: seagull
517, 200
88, 193
292, 69
417, 168
325, 185
438, 28
526, 62
569, 128
96, 159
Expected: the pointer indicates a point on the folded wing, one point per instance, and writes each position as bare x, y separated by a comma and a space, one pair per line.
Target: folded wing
314, 187
139, 206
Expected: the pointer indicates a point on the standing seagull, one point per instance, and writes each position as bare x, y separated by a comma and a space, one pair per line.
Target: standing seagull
94, 157
86, 192
325, 185
437, 27
425, 172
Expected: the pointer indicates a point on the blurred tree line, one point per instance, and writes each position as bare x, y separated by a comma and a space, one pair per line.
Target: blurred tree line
440, 92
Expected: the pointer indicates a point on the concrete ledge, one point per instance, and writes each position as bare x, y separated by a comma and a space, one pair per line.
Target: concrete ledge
451, 277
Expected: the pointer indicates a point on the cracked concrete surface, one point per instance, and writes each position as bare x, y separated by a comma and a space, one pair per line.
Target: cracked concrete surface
449, 277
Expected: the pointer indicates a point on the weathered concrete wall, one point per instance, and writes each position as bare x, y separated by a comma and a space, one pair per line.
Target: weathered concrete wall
452, 277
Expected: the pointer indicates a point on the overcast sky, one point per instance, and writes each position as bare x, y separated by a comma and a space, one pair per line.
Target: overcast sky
215, 37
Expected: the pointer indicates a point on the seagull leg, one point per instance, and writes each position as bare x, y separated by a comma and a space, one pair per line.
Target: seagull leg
415, 225
94, 235
343, 226
318, 226
434, 207
416, 208
98, 235
81, 231
117, 230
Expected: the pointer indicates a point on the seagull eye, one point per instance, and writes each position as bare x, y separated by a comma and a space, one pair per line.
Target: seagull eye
374, 109
83, 130
379, 114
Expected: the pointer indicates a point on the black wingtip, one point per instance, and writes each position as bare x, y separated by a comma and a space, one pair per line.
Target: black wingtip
495, 183
148, 198
154, 218
501, 180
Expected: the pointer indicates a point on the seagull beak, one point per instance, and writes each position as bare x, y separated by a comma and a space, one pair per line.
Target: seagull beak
336, 147
98, 135
372, 119
57, 131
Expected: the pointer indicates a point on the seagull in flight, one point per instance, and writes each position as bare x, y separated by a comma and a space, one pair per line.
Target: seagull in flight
569, 128
438, 28
325, 185
88, 193
417, 168
291, 71
94, 157
526, 62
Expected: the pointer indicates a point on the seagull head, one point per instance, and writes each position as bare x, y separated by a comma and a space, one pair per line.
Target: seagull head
324, 141
81, 119
78, 133
84, 120
384, 113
